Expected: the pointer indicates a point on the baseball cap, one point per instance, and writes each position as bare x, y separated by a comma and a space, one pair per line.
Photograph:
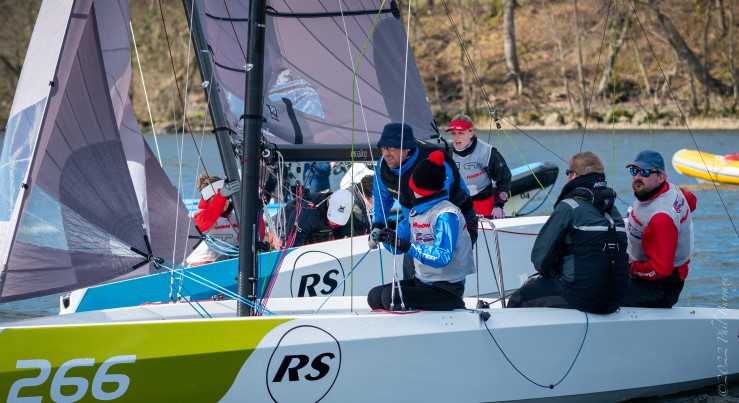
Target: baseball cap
339, 207
648, 159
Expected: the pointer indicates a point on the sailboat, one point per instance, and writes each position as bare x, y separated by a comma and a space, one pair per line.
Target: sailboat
313, 352
308, 115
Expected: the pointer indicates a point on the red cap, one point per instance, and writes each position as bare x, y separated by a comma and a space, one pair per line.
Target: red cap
459, 126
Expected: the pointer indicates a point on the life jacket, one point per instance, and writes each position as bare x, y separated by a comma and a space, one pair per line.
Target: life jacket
422, 227
473, 168
595, 266
673, 203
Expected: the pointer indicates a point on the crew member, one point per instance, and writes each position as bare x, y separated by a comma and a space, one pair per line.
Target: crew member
434, 235
482, 167
216, 219
580, 252
660, 231
400, 154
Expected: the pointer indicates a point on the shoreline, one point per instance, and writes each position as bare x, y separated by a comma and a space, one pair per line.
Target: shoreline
702, 124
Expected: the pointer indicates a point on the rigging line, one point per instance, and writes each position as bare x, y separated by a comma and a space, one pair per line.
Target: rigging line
481, 87
551, 386
396, 280
639, 77
682, 116
233, 27
541, 185
355, 87
485, 96
177, 85
595, 76
490, 256
342, 282
146, 95
208, 94
614, 53
207, 283
161, 275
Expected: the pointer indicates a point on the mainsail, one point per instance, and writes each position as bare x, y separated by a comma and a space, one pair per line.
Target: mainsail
79, 187
311, 93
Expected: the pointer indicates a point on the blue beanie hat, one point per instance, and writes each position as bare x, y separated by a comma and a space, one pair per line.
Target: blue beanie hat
391, 136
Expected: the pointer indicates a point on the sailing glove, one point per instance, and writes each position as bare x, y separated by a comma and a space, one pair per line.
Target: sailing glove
498, 213
390, 237
230, 188
374, 237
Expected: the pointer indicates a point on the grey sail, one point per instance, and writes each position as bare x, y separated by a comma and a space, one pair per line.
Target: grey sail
311, 95
71, 213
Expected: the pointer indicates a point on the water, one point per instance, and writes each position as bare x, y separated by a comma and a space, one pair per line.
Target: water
713, 271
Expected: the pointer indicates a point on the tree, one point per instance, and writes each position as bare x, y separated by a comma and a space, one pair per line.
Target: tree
580, 74
509, 45
688, 58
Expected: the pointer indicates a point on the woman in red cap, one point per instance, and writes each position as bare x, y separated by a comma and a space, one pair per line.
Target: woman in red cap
482, 168
435, 235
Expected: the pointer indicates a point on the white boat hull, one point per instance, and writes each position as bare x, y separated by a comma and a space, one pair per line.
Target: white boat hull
320, 270
425, 356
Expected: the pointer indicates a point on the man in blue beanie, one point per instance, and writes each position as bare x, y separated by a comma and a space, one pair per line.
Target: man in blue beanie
401, 152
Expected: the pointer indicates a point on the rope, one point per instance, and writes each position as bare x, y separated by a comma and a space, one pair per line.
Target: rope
595, 76
146, 94
342, 281
550, 386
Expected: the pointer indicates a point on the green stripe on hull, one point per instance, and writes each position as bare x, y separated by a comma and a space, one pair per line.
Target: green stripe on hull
160, 361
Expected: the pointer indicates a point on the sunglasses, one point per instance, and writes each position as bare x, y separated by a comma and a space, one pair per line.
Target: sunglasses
569, 171
643, 172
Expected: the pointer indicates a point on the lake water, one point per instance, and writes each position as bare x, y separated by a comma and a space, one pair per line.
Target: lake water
713, 270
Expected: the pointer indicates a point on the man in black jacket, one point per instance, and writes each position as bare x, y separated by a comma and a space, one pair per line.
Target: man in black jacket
580, 253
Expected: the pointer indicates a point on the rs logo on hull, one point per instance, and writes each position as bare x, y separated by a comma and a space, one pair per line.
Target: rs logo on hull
316, 273
304, 365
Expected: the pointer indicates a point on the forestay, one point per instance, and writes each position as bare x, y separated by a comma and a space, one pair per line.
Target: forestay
79, 186
312, 48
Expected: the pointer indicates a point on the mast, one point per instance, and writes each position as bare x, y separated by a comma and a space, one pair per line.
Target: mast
217, 113
250, 165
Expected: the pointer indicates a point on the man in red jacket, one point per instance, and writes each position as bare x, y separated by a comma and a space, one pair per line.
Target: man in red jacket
660, 231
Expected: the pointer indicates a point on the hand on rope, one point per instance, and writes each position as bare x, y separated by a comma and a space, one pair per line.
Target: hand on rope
374, 237
498, 213
390, 237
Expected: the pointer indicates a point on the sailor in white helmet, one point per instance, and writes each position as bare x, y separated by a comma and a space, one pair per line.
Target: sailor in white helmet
215, 218
325, 216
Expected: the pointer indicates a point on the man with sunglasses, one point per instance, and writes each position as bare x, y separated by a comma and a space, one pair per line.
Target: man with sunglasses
660, 231
580, 252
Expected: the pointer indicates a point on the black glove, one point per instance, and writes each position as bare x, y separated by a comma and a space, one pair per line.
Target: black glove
374, 237
390, 237
230, 188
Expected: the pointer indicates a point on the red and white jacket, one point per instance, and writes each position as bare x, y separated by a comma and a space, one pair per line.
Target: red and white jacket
660, 232
212, 221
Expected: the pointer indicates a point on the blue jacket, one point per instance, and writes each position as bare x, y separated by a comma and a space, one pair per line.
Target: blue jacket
385, 189
446, 232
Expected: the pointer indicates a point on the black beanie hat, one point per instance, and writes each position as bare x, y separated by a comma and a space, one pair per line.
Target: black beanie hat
429, 175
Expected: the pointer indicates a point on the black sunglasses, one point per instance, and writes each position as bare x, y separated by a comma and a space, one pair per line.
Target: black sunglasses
569, 171
643, 172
